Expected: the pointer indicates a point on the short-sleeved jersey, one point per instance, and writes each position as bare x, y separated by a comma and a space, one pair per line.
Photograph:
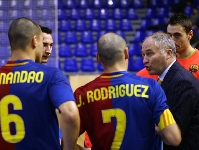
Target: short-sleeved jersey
119, 111
29, 94
190, 63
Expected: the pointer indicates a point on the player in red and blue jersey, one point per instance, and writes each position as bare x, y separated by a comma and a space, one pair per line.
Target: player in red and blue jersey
29, 94
119, 110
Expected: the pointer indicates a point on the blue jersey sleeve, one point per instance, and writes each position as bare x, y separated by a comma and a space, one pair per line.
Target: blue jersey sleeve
60, 90
159, 102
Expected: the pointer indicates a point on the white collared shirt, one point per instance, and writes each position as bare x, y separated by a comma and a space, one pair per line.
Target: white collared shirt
161, 77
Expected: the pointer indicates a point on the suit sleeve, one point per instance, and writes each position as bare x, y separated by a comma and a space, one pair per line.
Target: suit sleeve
183, 103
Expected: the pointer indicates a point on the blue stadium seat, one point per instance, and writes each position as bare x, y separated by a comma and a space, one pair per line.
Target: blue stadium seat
150, 32
4, 40
151, 13
156, 3
126, 25
100, 67
97, 4
41, 4
59, 38
95, 25
4, 4
83, 4
61, 14
110, 25
4, 15
14, 14
188, 10
145, 23
164, 12
46, 14
138, 3
134, 49
121, 33
100, 33
87, 65
15, 4
103, 14
132, 14
111, 3
80, 25
124, 4
117, 13
70, 37
159, 21
70, 65
135, 64
60, 4
4, 26
93, 50
4, 52
74, 14
139, 36
89, 14
87, 37
64, 25
65, 50
80, 50
70, 4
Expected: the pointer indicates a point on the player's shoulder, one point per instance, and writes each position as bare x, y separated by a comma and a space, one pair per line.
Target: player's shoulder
89, 84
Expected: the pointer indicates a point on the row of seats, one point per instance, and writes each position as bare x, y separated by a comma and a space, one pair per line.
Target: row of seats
26, 4
117, 13
90, 65
69, 4
89, 37
108, 25
82, 50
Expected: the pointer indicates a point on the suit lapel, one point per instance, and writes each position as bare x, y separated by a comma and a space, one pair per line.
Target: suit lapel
169, 76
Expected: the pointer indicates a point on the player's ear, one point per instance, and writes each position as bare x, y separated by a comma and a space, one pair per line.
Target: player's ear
126, 53
97, 57
190, 34
34, 41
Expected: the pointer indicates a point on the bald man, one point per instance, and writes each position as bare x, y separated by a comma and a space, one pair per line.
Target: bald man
119, 110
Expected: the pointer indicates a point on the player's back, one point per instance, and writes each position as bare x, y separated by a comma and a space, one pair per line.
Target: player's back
27, 118
119, 110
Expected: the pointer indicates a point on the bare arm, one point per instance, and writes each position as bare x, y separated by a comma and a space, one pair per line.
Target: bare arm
171, 135
69, 123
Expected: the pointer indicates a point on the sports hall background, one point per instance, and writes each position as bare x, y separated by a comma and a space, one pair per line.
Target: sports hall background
77, 25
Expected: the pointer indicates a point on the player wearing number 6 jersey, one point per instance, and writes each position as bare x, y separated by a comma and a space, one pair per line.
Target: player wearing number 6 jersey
29, 94
119, 110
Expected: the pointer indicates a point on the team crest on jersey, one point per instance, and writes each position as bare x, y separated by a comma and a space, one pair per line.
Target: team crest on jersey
194, 68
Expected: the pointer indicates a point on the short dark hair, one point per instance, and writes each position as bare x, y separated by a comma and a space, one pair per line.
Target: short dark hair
21, 31
45, 29
181, 19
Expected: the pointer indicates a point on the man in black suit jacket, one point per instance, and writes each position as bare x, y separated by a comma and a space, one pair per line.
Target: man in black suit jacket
180, 86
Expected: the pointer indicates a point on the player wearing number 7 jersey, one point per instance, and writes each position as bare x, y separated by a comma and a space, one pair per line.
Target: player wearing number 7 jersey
29, 94
119, 110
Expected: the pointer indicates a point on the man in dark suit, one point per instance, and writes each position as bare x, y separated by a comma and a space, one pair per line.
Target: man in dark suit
180, 86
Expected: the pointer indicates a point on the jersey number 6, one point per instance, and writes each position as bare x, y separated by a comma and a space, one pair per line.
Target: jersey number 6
6, 119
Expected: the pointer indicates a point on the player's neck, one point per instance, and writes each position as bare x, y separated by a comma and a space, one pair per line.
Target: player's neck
186, 54
20, 55
114, 68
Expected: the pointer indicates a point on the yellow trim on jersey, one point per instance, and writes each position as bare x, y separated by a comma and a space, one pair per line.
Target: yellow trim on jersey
166, 119
17, 64
112, 76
